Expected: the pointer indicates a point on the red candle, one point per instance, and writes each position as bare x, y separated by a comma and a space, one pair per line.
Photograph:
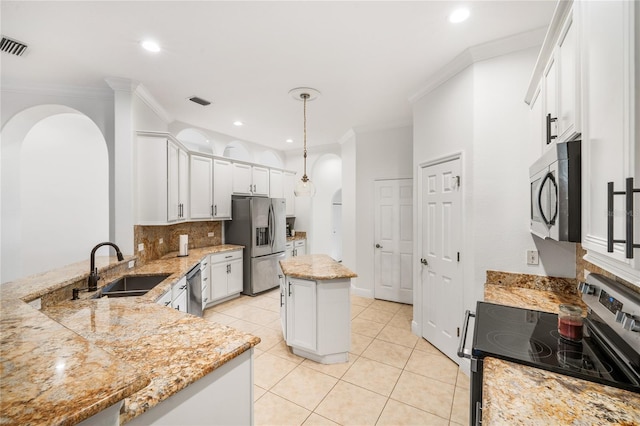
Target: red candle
570, 327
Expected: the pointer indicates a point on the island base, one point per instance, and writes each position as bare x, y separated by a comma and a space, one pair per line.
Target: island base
322, 359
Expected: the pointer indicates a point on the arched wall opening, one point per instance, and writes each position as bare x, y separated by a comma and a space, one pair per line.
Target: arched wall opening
271, 159
326, 174
237, 151
195, 141
55, 190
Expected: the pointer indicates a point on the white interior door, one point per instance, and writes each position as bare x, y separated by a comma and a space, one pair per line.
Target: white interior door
440, 221
393, 272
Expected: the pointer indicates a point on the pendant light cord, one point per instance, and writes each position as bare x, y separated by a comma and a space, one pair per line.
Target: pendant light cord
304, 97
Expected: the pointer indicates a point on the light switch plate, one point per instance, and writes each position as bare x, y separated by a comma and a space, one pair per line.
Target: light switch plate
141, 247
161, 241
210, 234
132, 263
532, 257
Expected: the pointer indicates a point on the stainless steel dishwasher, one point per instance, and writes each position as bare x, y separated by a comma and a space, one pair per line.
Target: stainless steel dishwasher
194, 291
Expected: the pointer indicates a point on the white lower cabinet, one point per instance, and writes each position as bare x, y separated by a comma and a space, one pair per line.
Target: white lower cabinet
226, 275
222, 397
179, 297
165, 299
205, 277
299, 247
318, 318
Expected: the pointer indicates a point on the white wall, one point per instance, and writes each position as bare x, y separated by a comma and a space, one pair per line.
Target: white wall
327, 171
380, 154
349, 169
481, 113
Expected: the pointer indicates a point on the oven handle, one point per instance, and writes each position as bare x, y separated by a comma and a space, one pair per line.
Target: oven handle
462, 352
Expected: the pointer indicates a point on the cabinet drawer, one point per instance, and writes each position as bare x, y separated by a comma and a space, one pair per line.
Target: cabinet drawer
226, 256
300, 243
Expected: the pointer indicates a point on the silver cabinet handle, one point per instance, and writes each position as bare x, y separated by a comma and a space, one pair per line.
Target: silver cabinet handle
215, 210
289, 288
462, 352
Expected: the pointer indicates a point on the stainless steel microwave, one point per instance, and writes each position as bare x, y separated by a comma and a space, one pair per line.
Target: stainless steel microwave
555, 181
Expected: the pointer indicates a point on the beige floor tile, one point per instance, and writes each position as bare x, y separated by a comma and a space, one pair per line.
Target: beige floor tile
225, 306
460, 411
401, 320
258, 392
436, 366
265, 302
257, 352
424, 393
213, 316
252, 314
283, 351
359, 343
334, 370
424, 346
387, 353
271, 410
365, 327
274, 325
273, 294
362, 301
246, 326
268, 338
371, 314
348, 404
305, 387
385, 305
406, 310
463, 381
400, 336
356, 309
270, 369
396, 413
317, 420
373, 375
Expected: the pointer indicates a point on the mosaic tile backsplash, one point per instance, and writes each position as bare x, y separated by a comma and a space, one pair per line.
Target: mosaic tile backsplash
198, 233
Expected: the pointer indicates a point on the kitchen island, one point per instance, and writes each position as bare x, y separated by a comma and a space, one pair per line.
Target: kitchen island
315, 307
518, 394
75, 359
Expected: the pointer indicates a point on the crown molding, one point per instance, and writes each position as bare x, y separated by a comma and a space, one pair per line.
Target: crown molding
58, 90
479, 53
152, 103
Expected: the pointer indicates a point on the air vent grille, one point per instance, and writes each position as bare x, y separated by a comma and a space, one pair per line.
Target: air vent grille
12, 47
200, 101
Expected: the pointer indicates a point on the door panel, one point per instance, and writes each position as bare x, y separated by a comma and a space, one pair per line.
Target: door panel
393, 272
441, 277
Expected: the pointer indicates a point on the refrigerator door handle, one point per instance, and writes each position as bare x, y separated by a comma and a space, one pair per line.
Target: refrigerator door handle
272, 223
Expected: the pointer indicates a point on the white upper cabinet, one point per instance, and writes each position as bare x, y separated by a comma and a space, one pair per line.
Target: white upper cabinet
201, 194
162, 180
250, 180
222, 188
609, 141
289, 185
276, 184
568, 89
549, 97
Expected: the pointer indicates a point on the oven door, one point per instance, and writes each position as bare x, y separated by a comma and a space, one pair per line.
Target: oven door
475, 393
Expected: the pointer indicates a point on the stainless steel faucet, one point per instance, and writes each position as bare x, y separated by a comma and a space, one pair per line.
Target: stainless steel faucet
93, 274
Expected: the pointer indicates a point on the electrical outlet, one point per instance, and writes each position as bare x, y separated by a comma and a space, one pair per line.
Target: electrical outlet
132, 263
532, 257
161, 241
141, 247
210, 234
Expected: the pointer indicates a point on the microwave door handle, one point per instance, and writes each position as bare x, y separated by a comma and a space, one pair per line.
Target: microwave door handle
551, 221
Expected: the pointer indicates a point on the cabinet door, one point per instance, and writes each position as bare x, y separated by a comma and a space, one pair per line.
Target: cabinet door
173, 182
550, 103
234, 277
300, 247
289, 196
183, 183
205, 276
219, 277
179, 295
301, 313
537, 123
609, 151
222, 188
242, 184
568, 82
276, 184
288, 249
165, 299
260, 179
201, 172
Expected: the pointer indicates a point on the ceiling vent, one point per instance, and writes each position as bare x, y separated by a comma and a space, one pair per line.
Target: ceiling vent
200, 101
12, 47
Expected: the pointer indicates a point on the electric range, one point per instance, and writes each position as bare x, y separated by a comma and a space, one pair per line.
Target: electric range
609, 352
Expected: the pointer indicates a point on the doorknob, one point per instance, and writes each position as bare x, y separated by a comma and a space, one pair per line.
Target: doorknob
424, 261
378, 246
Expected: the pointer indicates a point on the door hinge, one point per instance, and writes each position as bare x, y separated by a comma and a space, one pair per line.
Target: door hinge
458, 256
458, 332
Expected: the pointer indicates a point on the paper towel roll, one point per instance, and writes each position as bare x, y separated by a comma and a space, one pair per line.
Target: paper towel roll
184, 245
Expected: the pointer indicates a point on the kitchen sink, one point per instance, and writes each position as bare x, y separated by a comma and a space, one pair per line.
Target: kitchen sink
131, 285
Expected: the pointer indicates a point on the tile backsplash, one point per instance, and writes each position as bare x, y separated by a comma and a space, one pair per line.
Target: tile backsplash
170, 234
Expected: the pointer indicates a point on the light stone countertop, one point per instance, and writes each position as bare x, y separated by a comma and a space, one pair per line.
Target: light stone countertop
316, 267
71, 360
515, 394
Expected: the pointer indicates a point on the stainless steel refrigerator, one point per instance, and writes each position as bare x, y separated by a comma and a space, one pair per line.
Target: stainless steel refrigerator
259, 224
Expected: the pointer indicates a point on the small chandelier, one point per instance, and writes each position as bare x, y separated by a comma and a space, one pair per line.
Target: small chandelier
304, 187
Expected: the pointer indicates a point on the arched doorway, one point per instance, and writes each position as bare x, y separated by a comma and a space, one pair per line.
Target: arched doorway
55, 190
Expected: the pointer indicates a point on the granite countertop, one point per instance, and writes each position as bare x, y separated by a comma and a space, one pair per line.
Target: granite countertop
317, 267
96, 352
298, 237
519, 394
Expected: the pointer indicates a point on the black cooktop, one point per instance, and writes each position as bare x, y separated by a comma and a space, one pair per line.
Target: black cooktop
531, 337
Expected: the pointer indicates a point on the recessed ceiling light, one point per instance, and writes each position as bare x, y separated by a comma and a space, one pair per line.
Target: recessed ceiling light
150, 46
289, 141
238, 123
459, 15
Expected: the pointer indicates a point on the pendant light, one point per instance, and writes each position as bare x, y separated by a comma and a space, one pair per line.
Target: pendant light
304, 187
